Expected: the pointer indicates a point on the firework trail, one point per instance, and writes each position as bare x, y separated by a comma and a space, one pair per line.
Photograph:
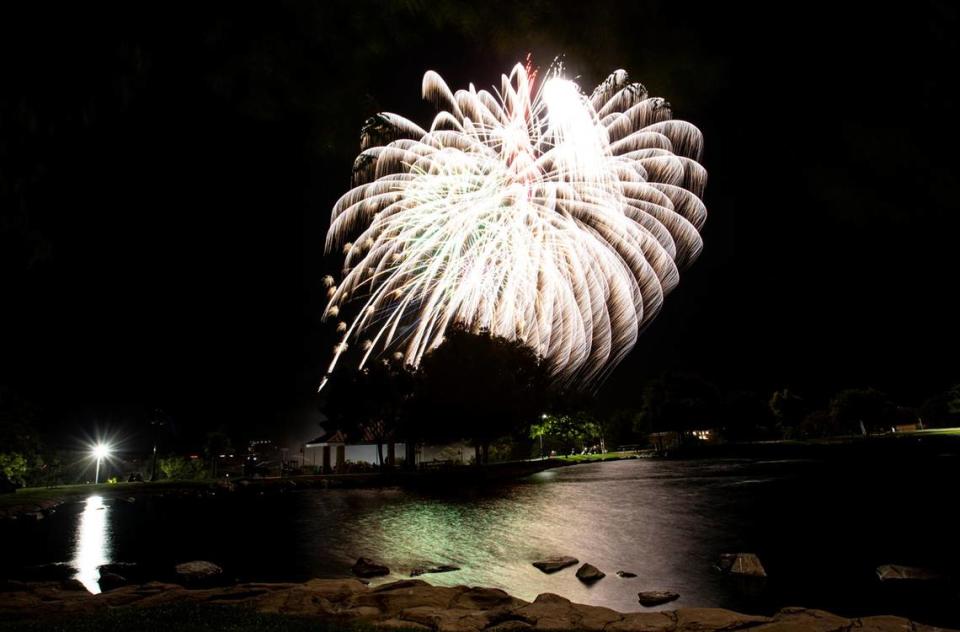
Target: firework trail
535, 213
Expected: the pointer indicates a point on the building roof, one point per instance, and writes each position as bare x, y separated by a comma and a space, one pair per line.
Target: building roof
368, 435
328, 438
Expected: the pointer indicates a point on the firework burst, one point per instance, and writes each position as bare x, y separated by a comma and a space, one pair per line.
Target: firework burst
535, 213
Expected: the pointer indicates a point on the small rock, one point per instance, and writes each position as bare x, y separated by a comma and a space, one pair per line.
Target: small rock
198, 572
365, 567
441, 568
625, 574
741, 564
556, 563
896, 572
588, 573
109, 581
650, 598
73, 584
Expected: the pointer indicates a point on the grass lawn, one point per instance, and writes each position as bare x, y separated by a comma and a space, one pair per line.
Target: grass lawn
953, 432
34, 495
605, 456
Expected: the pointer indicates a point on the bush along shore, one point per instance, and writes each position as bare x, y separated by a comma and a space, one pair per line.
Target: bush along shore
350, 604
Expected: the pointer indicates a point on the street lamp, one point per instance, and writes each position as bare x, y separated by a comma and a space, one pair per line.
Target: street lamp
100, 452
544, 418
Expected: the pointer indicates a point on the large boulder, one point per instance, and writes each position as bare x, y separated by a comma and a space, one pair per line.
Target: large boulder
719, 619
588, 574
553, 612
555, 563
198, 572
810, 620
126, 569
365, 567
747, 564
108, 581
651, 598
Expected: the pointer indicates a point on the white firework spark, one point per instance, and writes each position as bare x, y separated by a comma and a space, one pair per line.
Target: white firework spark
536, 213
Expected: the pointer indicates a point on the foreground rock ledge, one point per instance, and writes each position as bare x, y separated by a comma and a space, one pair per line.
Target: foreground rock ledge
416, 605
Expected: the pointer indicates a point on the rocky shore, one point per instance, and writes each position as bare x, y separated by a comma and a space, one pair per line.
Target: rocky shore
414, 605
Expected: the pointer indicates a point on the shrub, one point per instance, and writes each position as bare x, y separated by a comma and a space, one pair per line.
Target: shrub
182, 469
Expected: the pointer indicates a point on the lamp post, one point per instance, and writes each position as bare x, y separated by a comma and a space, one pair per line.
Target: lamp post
100, 451
544, 418
156, 423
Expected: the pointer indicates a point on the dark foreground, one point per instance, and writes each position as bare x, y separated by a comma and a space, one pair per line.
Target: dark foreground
348, 604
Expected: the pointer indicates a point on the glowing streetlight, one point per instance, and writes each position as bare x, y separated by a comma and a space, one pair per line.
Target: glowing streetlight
100, 452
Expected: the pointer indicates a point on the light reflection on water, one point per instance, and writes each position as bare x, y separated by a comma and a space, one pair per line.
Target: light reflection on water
667, 521
91, 545
615, 516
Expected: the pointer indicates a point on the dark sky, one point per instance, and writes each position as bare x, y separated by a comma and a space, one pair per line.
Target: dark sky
166, 177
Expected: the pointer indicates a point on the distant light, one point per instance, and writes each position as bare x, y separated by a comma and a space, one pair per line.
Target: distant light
101, 451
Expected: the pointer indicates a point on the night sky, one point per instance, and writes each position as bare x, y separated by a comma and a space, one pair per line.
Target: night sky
167, 174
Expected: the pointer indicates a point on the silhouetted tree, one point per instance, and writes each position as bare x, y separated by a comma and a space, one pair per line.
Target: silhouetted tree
20, 446
788, 408
817, 424
680, 403
746, 416
217, 443
943, 410
371, 401
862, 408
478, 387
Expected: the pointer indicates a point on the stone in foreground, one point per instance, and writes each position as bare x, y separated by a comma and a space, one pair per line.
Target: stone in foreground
896, 572
741, 564
556, 563
416, 605
365, 567
650, 598
197, 572
440, 568
588, 573
109, 581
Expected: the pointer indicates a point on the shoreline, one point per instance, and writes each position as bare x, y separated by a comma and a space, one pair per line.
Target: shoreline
402, 605
36, 503
39, 502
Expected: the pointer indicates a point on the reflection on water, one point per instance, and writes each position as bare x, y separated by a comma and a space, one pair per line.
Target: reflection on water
91, 543
821, 529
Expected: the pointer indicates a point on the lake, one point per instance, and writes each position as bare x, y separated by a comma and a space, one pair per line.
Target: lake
820, 528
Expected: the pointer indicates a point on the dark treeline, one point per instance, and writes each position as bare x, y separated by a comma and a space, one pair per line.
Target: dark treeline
496, 395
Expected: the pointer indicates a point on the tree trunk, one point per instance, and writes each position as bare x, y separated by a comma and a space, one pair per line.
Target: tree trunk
476, 455
380, 455
410, 455
486, 453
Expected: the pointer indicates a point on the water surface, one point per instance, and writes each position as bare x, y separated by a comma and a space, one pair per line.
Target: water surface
820, 528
